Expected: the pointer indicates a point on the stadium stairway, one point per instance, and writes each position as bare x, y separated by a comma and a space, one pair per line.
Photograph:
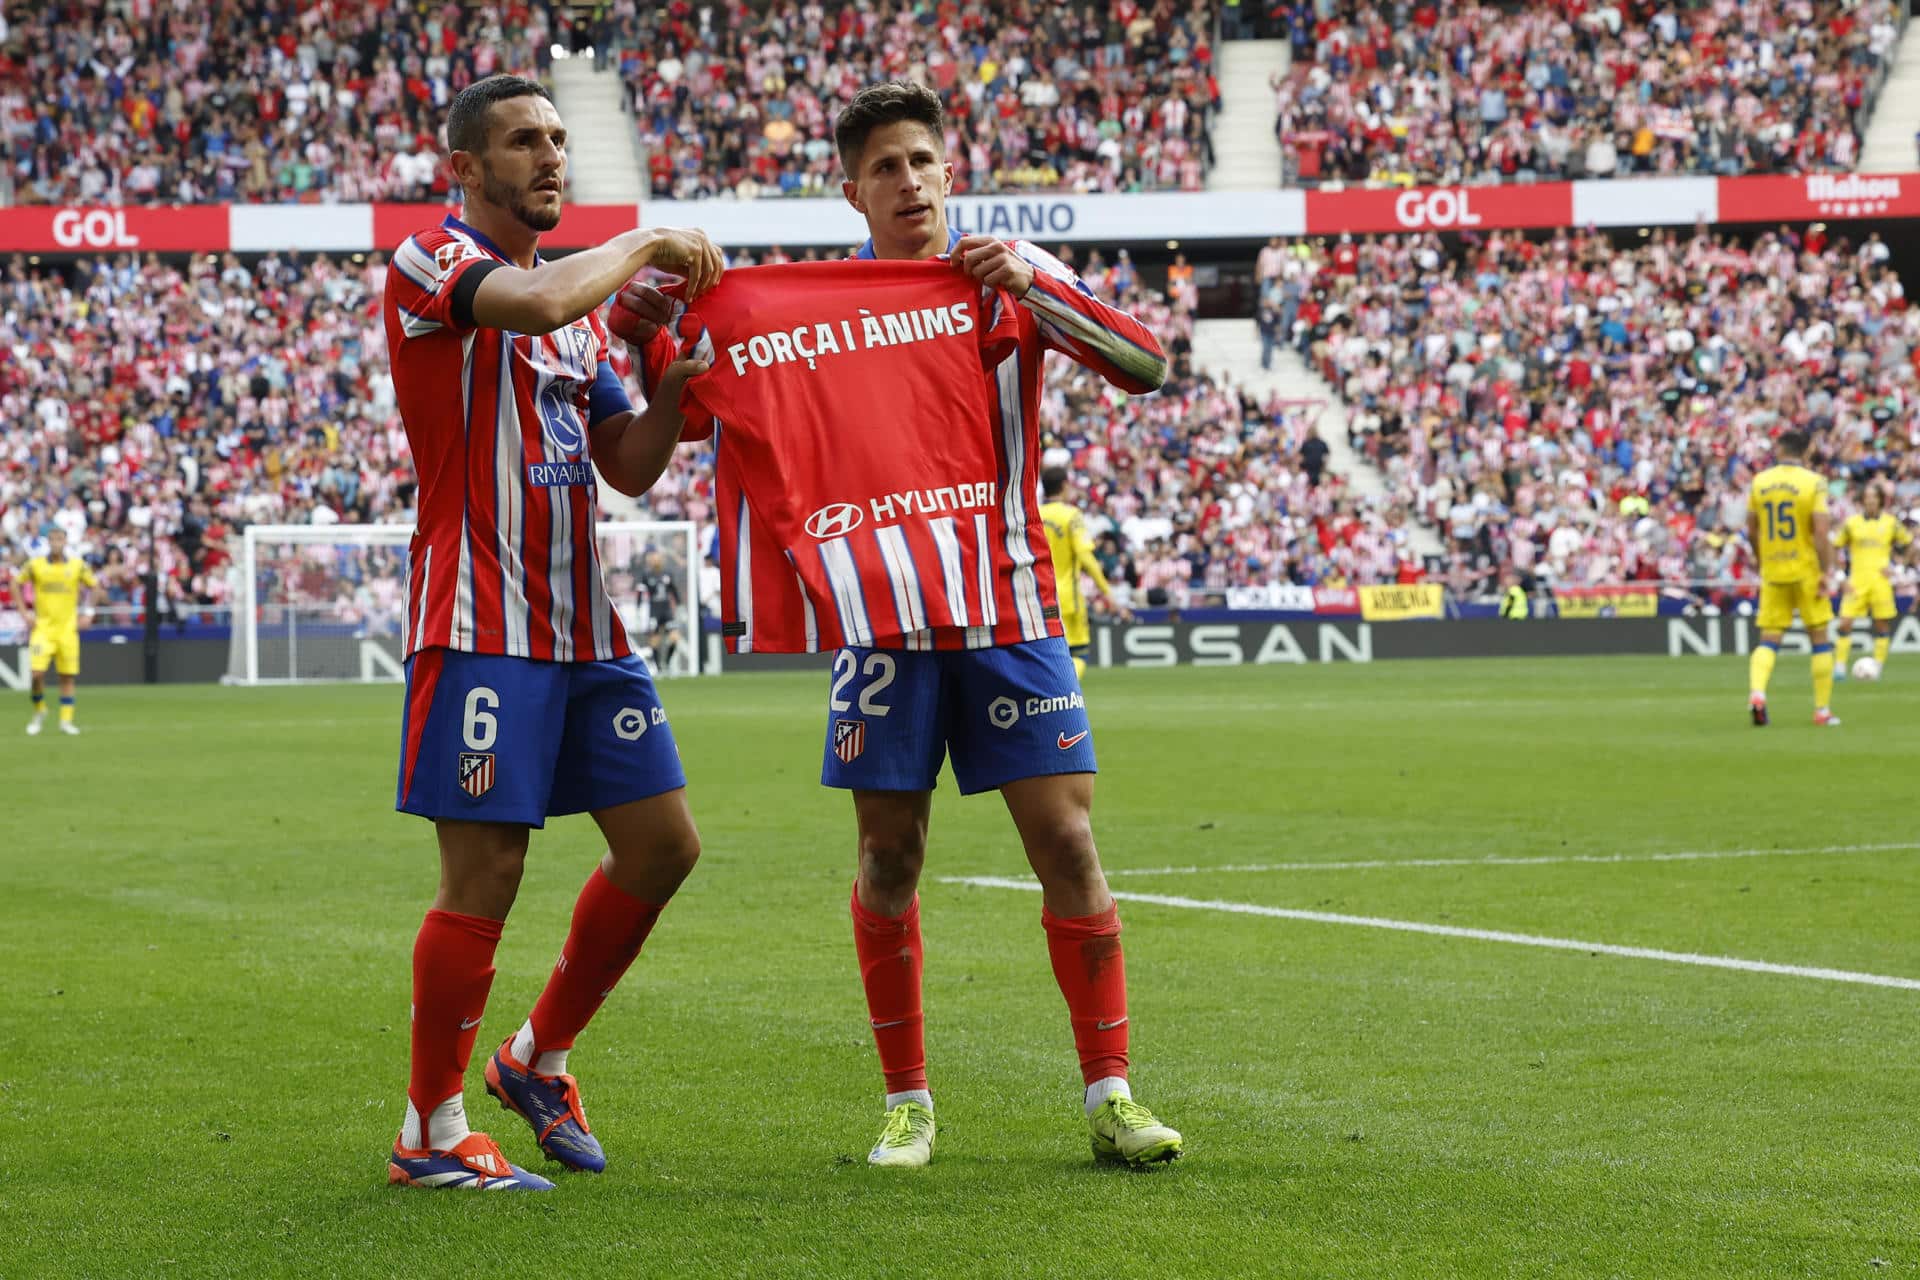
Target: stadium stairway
603, 152
1232, 348
1246, 156
1888, 146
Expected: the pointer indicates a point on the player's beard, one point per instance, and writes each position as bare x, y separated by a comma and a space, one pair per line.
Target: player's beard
514, 201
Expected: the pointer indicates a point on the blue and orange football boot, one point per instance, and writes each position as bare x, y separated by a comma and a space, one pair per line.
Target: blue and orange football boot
474, 1164
551, 1104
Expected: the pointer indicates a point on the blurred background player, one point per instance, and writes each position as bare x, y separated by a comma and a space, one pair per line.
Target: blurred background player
1073, 556
525, 698
940, 695
59, 583
1792, 538
659, 591
1871, 536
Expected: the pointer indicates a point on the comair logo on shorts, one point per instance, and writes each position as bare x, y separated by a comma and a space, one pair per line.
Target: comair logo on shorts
1005, 712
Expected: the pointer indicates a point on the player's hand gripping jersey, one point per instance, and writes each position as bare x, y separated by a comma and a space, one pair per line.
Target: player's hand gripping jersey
863, 498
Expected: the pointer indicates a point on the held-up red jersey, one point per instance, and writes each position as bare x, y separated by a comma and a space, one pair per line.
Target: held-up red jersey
1060, 314
863, 504
503, 559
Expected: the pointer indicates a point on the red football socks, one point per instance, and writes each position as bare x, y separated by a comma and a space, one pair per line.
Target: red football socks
890, 962
1093, 977
609, 926
452, 972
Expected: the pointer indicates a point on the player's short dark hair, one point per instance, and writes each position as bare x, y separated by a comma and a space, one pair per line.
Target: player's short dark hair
1793, 442
1053, 480
889, 102
467, 117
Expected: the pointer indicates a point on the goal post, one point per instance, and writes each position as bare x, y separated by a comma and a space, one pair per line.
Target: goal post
328, 602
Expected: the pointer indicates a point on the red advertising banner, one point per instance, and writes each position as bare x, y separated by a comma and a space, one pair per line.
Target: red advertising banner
1820, 195
1336, 600
138, 228
581, 225
1548, 204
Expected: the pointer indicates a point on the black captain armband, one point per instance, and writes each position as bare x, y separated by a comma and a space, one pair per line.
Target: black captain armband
466, 286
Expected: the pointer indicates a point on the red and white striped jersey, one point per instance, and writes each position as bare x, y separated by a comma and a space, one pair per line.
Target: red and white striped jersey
863, 501
929, 593
504, 558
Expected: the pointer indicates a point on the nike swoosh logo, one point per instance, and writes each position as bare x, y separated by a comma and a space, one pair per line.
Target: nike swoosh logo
897, 1022
470, 1024
1067, 744
1108, 1026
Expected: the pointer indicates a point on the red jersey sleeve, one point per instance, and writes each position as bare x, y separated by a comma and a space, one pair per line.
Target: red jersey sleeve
433, 277
1082, 327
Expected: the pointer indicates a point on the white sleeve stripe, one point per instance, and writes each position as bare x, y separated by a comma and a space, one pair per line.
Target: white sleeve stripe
952, 572
409, 270
806, 606
844, 577
906, 580
983, 568
743, 577
1013, 434
417, 264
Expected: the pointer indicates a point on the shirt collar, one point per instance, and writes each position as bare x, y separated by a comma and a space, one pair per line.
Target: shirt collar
866, 250
480, 238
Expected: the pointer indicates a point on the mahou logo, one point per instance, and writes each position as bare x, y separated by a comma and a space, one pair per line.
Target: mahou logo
1851, 195
1851, 186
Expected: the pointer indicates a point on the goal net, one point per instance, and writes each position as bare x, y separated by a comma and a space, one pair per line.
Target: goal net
327, 602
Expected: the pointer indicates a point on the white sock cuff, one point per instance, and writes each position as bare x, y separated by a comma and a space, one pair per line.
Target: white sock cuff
921, 1096
522, 1049
1102, 1089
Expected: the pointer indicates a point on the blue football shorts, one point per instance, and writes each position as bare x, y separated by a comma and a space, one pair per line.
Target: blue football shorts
999, 714
487, 738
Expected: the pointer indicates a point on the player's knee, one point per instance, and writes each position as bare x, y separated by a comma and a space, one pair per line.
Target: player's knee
677, 856
1061, 846
482, 882
891, 858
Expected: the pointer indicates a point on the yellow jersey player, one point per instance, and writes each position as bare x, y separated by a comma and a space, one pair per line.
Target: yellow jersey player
57, 580
1871, 538
1072, 556
1790, 532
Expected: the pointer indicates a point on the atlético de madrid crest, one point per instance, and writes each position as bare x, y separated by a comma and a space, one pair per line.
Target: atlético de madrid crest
849, 739
476, 772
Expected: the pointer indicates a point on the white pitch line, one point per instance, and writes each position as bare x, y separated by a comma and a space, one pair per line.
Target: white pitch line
1477, 935
1382, 864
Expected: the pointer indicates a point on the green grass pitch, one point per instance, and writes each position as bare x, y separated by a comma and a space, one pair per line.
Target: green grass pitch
208, 906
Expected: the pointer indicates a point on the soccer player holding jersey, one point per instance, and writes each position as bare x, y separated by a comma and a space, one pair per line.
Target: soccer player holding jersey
1788, 528
524, 698
999, 697
58, 581
1871, 538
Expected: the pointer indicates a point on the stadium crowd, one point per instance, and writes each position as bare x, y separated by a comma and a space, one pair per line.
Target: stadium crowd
1451, 91
150, 401
244, 100
1074, 95
1579, 413
257, 101
178, 402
